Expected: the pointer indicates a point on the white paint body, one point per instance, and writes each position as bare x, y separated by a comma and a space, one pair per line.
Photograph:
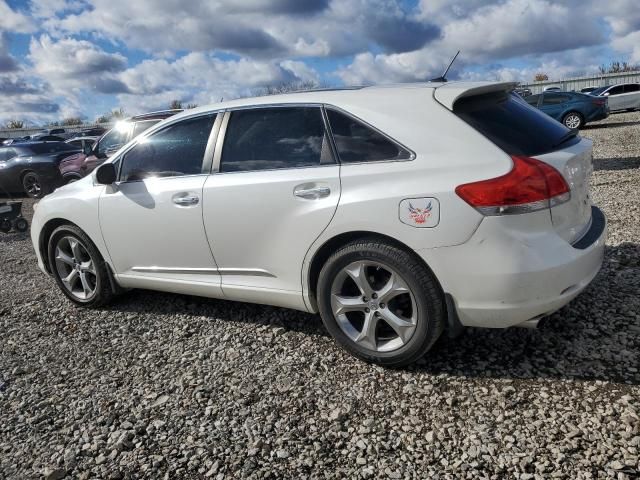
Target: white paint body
249, 238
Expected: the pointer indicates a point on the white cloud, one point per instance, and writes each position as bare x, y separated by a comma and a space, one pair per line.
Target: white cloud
13, 21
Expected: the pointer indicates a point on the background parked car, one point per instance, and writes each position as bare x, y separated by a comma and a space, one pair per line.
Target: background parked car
625, 96
91, 132
77, 166
82, 142
553, 89
32, 167
571, 108
588, 89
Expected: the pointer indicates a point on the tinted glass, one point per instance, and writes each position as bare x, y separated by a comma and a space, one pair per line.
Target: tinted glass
357, 142
141, 126
177, 150
554, 99
532, 99
514, 126
76, 143
114, 139
7, 154
631, 87
599, 91
51, 147
617, 90
272, 138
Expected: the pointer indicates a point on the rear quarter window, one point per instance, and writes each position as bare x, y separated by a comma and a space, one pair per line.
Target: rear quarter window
512, 124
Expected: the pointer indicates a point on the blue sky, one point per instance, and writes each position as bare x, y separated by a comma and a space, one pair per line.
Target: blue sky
62, 58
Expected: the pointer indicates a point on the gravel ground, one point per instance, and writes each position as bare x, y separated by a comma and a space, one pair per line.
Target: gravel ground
169, 386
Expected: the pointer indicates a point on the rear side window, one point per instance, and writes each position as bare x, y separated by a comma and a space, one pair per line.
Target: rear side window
275, 138
555, 99
514, 126
174, 151
357, 142
141, 126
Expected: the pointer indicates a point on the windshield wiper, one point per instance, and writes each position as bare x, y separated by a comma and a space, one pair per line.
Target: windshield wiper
567, 136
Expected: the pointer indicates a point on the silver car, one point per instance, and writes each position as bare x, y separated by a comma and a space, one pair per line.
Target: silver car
625, 96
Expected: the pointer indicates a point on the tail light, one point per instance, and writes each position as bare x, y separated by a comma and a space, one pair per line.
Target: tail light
531, 185
599, 101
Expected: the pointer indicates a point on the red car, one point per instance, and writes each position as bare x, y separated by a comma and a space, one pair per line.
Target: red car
77, 166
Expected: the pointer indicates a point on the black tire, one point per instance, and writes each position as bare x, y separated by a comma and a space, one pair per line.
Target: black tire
5, 225
33, 186
102, 293
573, 118
21, 225
631, 109
427, 295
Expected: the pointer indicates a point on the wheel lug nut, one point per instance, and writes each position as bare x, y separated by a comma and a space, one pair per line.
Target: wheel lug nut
364, 299
382, 305
367, 310
375, 295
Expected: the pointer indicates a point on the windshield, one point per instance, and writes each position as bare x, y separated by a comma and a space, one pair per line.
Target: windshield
115, 138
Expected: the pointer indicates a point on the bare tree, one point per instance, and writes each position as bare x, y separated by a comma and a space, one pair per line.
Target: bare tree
618, 67
72, 121
118, 114
15, 124
286, 87
175, 105
191, 105
541, 77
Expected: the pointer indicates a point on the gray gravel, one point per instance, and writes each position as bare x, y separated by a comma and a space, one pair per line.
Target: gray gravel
169, 386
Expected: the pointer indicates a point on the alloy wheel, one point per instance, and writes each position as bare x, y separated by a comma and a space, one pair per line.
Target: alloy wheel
374, 306
75, 268
572, 121
32, 185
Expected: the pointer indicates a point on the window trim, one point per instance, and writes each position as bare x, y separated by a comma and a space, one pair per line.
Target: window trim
412, 154
208, 152
222, 135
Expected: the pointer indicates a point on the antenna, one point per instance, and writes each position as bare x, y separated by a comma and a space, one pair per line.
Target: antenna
443, 78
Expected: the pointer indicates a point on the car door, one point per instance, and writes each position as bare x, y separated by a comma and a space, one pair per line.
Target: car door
151, 218
274, 189
554, 104
616, 97
632, 95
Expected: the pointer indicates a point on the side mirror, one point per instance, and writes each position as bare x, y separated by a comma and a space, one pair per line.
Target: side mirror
106, 174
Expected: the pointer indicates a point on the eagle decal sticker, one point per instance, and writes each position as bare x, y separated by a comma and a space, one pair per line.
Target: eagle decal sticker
420, 212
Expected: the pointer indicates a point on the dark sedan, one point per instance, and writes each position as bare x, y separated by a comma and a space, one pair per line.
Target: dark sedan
571, 108
32, 167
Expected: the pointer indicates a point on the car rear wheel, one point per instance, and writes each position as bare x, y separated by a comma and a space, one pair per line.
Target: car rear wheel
380, 303
78, 267
33, 186
573, 120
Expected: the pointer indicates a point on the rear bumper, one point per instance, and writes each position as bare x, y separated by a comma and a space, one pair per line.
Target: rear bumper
503, 277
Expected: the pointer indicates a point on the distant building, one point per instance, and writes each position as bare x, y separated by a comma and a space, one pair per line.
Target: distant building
578, 83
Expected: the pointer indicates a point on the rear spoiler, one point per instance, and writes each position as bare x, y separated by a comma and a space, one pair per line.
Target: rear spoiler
449, 93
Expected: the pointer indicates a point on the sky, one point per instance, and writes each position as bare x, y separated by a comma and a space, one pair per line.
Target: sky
70, 58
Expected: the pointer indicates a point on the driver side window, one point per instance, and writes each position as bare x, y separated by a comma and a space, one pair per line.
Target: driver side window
174, 151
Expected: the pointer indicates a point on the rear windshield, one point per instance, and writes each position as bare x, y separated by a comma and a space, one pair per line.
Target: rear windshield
53, 147
512, 124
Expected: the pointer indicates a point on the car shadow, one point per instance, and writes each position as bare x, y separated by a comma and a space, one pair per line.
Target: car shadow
595, 126
596, 337
619, 163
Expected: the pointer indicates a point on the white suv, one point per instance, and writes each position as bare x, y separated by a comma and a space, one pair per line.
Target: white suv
395, 212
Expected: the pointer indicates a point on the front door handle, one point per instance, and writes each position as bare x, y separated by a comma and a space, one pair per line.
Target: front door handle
311, 191
185, 200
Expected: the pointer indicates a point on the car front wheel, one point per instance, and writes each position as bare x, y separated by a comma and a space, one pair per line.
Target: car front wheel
573, 120
78, 267
32, 185
380, 303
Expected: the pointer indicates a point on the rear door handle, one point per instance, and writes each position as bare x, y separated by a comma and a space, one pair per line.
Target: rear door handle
185, 200
310, 191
